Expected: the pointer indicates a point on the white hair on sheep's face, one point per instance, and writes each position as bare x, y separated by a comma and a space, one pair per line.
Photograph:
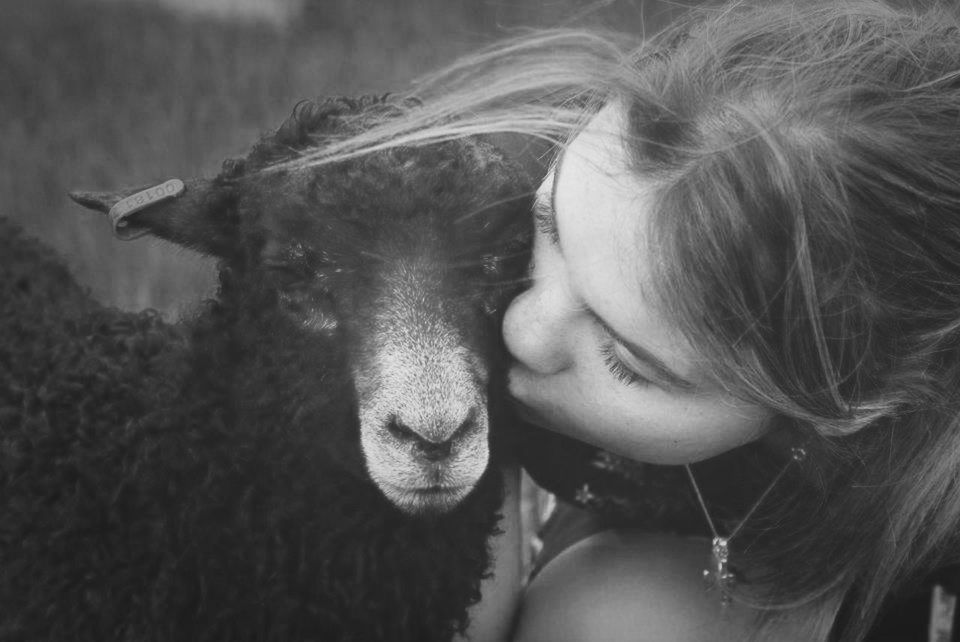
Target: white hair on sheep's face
403, 259
421, 395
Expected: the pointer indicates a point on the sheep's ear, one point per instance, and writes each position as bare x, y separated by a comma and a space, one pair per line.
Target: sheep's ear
198, 214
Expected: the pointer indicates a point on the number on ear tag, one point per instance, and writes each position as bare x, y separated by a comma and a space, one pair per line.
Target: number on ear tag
139, 201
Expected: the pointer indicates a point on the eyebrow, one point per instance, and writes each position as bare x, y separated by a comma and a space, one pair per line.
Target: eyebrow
545, 211
655, 363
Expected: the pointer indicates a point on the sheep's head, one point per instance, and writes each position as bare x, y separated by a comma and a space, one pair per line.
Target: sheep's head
404, 257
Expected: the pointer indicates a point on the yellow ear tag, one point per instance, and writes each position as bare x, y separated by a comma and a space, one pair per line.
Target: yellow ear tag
140, 201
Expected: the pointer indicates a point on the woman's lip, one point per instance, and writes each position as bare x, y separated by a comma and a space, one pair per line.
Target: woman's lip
517, 375
524, 410
435, 489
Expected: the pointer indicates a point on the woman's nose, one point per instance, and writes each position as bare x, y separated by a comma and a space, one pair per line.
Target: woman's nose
535, 329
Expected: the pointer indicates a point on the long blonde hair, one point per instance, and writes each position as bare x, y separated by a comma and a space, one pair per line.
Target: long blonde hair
807, 230
541, 85
807, 235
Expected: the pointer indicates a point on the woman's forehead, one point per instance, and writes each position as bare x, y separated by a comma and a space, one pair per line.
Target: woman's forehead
602, 201
601, 142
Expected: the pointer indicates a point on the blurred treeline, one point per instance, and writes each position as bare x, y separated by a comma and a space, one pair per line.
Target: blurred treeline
100, 95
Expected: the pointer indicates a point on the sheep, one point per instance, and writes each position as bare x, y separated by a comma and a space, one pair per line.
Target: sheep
306, 457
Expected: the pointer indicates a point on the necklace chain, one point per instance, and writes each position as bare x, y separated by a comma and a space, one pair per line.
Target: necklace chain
719, 574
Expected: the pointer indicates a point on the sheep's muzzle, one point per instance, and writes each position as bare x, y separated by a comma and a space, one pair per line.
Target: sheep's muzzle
421, 390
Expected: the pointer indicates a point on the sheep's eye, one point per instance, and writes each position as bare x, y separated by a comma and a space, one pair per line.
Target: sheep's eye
312, 309
509, 263
492, 264
286, 274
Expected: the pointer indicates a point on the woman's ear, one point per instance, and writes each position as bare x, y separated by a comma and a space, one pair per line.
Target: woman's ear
198, 214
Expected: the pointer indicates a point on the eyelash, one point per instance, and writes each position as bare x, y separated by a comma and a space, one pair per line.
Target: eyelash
623, 374
546, 221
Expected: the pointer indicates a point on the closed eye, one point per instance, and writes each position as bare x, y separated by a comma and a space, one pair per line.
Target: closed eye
618, 369
659, 374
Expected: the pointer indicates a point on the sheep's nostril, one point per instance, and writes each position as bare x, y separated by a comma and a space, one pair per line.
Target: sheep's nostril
466, 426
438, 448
433, 451
400, 430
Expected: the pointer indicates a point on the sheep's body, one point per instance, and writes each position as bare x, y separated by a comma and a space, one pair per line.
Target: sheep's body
33, 280
205, 481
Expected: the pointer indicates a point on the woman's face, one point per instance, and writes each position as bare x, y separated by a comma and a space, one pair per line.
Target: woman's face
594, 359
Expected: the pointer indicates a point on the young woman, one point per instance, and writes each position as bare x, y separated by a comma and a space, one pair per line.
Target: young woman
749, 240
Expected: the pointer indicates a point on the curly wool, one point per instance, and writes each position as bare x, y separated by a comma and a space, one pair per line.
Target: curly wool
203, 481
149, 494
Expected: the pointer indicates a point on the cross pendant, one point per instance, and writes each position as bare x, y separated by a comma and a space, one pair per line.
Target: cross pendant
719, 575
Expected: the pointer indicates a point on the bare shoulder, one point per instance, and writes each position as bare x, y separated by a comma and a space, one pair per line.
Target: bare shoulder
628, 585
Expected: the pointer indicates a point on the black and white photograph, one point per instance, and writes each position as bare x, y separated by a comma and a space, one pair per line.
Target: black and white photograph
479, 320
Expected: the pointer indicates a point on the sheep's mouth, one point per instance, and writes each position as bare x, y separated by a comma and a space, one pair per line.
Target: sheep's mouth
426, 499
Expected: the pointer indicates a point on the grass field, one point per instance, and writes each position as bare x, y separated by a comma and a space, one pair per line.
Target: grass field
104, 95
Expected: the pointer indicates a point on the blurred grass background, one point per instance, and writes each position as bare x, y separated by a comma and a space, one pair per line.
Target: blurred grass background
98, 94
